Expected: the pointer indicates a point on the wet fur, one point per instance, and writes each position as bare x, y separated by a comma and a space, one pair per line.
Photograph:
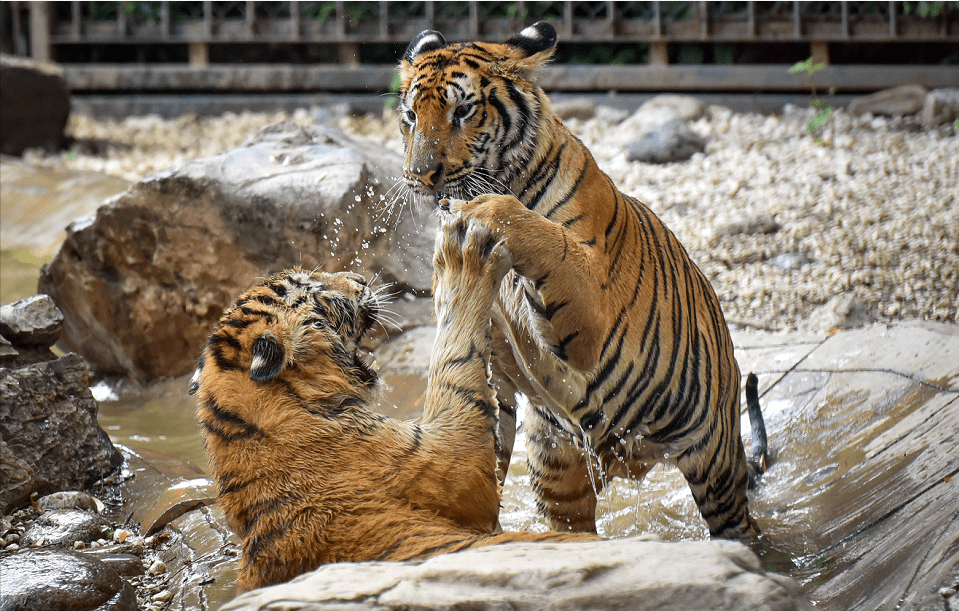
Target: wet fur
307, 472
604, 322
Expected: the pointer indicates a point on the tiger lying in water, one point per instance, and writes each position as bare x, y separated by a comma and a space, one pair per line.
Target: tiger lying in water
307, 472
604, 322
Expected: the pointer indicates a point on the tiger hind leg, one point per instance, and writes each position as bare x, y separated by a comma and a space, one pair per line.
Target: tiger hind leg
560, 476
718, 478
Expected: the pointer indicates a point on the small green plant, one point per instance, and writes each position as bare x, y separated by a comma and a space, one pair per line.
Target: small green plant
823, 109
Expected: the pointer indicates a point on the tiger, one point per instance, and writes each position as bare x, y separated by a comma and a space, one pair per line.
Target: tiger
307, 472
603, 322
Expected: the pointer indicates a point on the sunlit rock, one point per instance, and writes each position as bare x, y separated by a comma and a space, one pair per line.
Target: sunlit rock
621, 574
142, 284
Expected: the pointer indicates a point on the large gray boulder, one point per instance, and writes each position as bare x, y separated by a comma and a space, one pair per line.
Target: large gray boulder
620, 574
34, 105
142, 284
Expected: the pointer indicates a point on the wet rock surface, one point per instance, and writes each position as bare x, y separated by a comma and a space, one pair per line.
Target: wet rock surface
51, 439
81, 582
622, 574
63, 528
862, 490
142, 284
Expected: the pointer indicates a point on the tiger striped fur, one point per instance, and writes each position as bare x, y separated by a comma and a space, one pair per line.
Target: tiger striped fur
604, 322
307, 472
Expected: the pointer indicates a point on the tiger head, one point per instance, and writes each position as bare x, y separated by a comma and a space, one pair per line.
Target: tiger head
295, 326
469, 112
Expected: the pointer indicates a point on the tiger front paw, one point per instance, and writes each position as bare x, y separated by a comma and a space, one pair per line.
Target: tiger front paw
469, 249
468, 260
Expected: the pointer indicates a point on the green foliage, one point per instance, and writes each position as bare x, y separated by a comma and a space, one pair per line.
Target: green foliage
806, 66
929, 9
824, 111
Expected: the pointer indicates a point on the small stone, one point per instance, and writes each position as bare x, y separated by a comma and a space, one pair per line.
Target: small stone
672, 141
157, 568
79, 545
34, 321
12, 547
162, 596
946, 592
940, 106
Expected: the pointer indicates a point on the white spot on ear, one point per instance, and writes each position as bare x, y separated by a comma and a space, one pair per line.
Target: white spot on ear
530, 32
433, 39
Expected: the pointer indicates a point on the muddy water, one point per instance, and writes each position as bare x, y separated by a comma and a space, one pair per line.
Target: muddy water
36, 205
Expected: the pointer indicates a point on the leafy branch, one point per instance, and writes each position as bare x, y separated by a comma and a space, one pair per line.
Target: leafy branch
823, 109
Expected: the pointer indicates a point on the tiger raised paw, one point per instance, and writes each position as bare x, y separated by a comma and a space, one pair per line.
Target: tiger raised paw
604, 322
307, 472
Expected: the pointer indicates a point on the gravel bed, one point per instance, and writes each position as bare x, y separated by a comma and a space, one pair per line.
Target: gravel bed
780, 223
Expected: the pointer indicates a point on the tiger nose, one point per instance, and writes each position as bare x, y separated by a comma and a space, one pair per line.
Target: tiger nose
431, 177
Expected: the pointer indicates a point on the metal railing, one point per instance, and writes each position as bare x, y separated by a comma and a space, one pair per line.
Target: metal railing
352, 23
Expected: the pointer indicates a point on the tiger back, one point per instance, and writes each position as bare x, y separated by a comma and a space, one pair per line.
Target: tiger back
307, 473
604, 322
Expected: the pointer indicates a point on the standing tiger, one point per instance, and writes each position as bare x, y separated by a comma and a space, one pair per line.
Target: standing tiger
307, 472
603, 322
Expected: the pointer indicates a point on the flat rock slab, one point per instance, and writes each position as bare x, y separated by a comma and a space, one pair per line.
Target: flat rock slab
599, 575
862, 491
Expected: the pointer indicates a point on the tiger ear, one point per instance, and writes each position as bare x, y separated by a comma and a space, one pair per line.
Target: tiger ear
427, 40
536, 45
268, 358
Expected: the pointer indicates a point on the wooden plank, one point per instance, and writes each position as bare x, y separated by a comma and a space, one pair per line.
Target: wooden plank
572, 78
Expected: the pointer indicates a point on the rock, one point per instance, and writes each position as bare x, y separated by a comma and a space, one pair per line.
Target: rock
790, 260
61, 579
683, 107
620, 574
863, 428
48, 424
672, 141
70, 499
32, 325
761, 224
903, 100
34, 105
62, 527
34, 321
126, 565
142, 284
840, 312
202, 557
575, 108
940, 106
